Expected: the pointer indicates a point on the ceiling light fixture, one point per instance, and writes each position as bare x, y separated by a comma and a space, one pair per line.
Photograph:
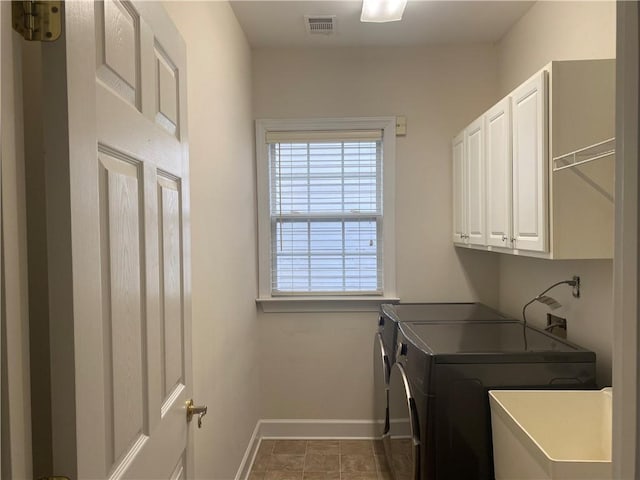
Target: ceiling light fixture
382, 10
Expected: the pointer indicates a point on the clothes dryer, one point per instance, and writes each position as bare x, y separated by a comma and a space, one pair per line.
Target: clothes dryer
439, 423
384, 348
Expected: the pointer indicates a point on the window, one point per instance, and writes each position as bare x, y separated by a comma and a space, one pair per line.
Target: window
325, 207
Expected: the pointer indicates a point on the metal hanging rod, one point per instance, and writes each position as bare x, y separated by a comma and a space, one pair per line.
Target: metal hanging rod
585, 155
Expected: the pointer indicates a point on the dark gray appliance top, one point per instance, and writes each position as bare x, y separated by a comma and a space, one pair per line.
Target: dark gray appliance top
502, 341
412, 312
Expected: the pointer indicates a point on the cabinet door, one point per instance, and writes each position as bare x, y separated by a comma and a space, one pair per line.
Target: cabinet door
530, 171
498, 165
475, 182
459, 191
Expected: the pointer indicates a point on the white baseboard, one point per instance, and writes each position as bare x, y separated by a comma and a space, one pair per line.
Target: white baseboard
308, 429
312, 429
249, 454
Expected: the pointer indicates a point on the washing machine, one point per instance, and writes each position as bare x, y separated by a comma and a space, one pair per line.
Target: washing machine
384, 349
439, 424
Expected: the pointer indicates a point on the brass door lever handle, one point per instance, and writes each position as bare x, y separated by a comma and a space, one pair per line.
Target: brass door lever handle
192, 410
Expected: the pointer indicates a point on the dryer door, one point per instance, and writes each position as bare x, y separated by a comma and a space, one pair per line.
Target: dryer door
381, 369
402, 441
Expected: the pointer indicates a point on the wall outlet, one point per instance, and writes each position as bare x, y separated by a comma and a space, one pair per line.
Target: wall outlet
557, 325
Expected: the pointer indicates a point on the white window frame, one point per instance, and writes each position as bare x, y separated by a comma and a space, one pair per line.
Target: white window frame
320, 302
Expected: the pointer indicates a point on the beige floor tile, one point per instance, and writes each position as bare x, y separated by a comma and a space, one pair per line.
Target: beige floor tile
282, 475
291, 447
322, 460
357, 447
323, 446
266, 447
402, 465
402, 445
321, 476
381, 463
317, 462
286, 462
261, 463
357, 464
378, 447
358, 476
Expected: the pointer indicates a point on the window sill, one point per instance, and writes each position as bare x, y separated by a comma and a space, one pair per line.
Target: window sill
323, 304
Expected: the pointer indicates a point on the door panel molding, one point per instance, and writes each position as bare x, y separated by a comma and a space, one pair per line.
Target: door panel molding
118, 49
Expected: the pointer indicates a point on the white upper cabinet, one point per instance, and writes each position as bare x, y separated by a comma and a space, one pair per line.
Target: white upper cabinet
469, 223
498, 174
459, 190
475, 168
529, 190
530, 160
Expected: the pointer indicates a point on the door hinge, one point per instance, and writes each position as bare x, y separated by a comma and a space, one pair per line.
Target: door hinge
39, 21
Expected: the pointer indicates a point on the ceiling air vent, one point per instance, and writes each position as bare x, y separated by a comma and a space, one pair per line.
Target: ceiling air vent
320, 24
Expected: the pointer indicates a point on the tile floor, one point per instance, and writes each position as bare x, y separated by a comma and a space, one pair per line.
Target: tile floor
320, 460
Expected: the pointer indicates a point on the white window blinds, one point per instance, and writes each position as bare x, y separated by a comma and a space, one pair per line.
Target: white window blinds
326, 212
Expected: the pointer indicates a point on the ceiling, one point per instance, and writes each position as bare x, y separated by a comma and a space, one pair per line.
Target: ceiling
281, 23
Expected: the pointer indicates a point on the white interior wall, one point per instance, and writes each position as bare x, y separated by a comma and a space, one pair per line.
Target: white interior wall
555, 30
560, 31
319, 366
223, 231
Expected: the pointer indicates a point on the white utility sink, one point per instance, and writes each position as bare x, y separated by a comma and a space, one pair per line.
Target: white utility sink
551, 434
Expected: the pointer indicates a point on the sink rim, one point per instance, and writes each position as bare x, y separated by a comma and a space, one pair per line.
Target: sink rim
504, 411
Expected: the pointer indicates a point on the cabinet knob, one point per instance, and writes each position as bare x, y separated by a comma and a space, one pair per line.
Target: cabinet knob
504, 238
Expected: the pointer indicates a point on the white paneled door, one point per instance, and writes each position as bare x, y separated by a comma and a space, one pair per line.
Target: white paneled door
118, 192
